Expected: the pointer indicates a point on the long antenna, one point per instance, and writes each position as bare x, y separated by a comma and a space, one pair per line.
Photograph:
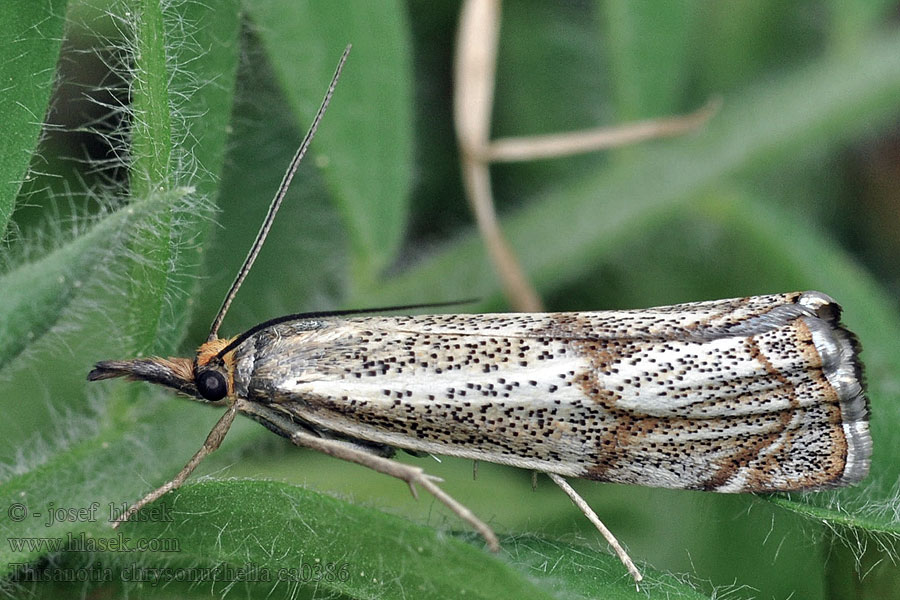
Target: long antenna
276, 201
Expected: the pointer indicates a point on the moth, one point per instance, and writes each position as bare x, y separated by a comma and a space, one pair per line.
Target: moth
755, 394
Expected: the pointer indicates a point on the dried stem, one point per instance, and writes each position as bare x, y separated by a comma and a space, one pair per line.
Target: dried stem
476, 61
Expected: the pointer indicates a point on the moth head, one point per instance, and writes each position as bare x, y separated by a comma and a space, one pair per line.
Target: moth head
206, 377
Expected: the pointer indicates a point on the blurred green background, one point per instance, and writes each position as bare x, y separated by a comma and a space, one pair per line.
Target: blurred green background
122, 244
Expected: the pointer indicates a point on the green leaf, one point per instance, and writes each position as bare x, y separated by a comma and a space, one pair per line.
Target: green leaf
102, 296
740, 41
364, 146
30, 39
851, 22
152, 279
80, 476
649, 55
270, 530
38, 292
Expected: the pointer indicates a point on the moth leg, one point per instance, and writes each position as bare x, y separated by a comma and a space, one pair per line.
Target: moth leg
593, 518
213, 441
410, 474
354, 453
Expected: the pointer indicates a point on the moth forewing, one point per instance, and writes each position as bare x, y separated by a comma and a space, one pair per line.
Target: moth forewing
744, 395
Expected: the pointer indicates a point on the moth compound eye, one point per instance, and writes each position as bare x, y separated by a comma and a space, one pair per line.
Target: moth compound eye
211, 385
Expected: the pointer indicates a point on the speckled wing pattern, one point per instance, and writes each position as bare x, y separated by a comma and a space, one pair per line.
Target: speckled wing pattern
753, 394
